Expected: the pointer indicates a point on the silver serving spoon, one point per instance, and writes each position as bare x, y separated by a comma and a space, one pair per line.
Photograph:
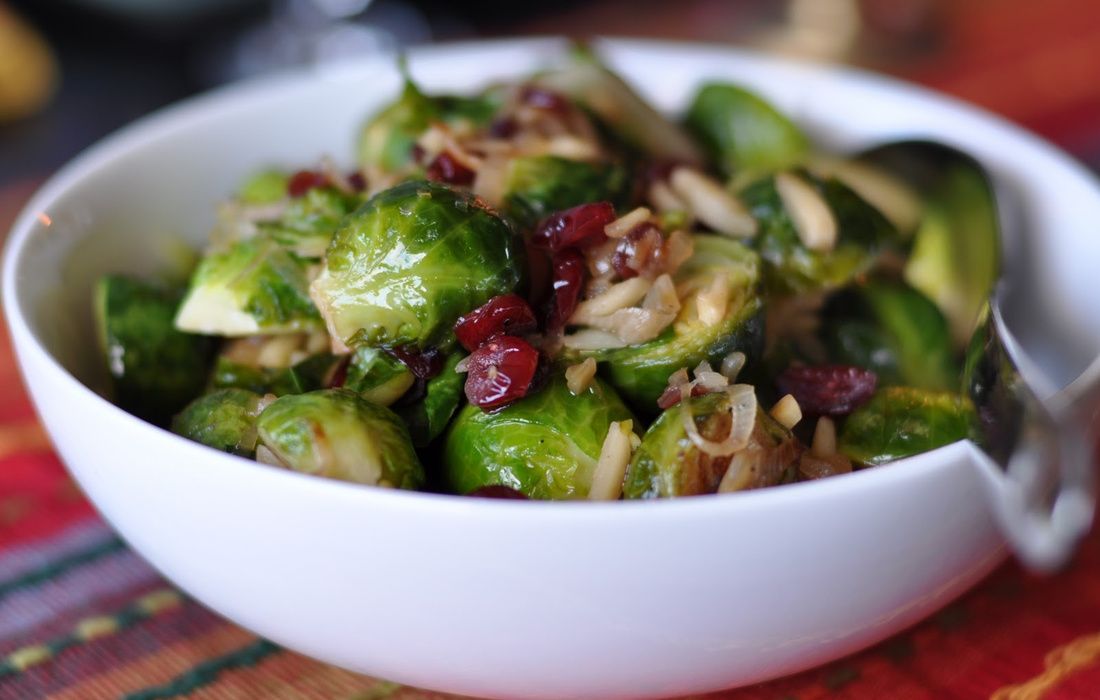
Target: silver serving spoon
1037, 457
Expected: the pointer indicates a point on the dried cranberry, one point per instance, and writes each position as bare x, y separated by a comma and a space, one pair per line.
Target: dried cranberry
507, 314
339, 373
638, 250
498, 491
305, 180
503, 128
500, 371
568, 281
828, 390
445, 168
541, 98
579, 227
424, 364
357, 181
671, 396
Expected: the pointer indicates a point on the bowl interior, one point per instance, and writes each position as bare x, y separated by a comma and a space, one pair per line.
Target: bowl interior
125, 205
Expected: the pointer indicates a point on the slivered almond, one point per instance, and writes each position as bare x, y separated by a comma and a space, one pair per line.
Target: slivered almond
679, 247
277, 350
618, 296
712, 204
661, 297
713, 301
626, 223
592, 339
811, 215
579, 377
824, 443
787, 412
607, 479
662, 197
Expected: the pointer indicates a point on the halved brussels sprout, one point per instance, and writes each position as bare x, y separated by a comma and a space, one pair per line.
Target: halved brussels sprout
223, 419
428, 416
894, 330
536, 186
154, 368
615, 103
791, 267
409, 262
902, 421
338, 434
256, 286
545, 445
387, 139
307, 225
743, 132
377, 376
669, 464
641, 372
955, 257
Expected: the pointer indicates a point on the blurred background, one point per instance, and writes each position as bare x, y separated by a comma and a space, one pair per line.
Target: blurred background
72, 71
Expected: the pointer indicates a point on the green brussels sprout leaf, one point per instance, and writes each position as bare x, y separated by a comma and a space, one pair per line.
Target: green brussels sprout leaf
540, 185
377, 376
264, 187
428, 417
307, 225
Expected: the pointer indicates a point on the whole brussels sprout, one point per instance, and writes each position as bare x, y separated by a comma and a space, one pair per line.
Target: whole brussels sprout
792, 268
641, 372
256, 286
410, 261
669, 464
743, 132
387, 139
545, 445
338, 434
537, 186
154, 368
902, 421
893, 330
223, 419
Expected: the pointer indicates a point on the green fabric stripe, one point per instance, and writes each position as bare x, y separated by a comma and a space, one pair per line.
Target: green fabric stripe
127, 617
59, 566
207, 672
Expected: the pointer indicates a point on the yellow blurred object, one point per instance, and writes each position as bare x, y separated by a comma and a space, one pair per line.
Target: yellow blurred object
28, 70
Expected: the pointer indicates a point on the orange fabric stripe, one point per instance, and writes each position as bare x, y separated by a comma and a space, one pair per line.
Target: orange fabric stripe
159, 667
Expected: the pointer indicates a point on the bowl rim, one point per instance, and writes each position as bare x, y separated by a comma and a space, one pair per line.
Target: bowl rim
160, 123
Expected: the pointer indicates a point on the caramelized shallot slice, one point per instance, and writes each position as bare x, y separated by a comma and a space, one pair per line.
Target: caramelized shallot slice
742, 398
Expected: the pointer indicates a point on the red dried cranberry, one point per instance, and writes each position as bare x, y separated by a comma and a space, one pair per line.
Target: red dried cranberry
445, 168
503, 128
828, 390
500, 371
569, 271
507, 314
339, 373
305, 180
671, 396
579, 227
424, 364
498, 491
357, 181
541, 98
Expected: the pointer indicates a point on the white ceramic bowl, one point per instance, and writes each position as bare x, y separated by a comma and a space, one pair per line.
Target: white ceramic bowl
506, 599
